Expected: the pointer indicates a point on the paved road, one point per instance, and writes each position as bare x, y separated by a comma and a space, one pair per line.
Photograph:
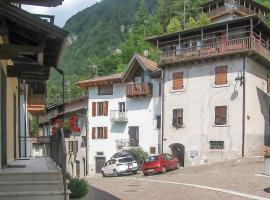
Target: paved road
234, 180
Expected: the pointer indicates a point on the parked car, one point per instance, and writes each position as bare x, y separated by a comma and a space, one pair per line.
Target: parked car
159, 164
120, 166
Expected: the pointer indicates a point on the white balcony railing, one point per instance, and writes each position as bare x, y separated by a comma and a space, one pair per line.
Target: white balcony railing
126, 143
119, 116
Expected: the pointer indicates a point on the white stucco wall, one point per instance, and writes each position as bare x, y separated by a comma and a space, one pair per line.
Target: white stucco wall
141, 111
257, 108
198, 100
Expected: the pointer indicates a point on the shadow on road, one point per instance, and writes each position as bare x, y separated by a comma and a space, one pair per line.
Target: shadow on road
97, 194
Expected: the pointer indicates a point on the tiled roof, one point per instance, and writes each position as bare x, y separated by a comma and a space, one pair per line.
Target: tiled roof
149, 64
94, 81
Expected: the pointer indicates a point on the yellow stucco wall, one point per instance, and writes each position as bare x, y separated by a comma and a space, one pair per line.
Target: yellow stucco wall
12, 89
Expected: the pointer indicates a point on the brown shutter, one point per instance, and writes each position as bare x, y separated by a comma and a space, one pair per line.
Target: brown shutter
174, 117
106, 106
93, 133
94, 109
221, 75
220, 115
105, 132
180, 117
178, 81
268, 84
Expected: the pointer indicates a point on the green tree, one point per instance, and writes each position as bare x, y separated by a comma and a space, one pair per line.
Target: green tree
192, 23
204, 20
174, 25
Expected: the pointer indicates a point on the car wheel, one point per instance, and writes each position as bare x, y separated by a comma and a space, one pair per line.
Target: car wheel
115, 172
163, 170
177, 166
103, 174
145, 174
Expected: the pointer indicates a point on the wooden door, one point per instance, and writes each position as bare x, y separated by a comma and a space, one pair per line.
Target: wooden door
100, 162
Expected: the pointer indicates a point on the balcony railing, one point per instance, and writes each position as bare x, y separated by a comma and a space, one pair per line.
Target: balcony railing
215, 49
119, 116
125, 144
137, 90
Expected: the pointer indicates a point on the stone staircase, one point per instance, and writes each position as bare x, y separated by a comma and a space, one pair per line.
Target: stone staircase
45, 183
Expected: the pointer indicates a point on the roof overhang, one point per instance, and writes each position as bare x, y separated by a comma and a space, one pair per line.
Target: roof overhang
47, 3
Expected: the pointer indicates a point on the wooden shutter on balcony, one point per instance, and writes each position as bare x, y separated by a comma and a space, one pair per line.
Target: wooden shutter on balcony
94, 109
105, 133
268, 83
93, 133
221, 75
106, 107
178, 81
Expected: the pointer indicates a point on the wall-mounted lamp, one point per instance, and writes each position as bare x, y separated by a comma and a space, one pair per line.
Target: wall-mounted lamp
240, 77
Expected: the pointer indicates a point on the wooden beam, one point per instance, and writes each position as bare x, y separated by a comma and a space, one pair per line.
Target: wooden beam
24, 49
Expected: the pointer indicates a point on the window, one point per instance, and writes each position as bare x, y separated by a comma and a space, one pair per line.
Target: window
100, 107
216, 145
152, 150
158, 122
70, 146
105, 89
221, 75
220, 115
99, 133
178, 81
75, 146
177, 117
268, 83
122, 106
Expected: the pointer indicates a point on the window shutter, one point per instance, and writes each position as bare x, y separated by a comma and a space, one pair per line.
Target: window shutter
93, 133
94, 109
220, 115
178, 81
105, 132
268, 84
221, 75
174, 117
180, 117
105, 110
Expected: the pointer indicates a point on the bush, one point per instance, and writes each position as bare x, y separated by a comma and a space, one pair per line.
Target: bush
78, 187
138, 153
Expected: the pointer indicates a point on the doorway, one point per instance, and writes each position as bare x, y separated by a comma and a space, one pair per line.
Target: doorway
100, 162
133, 132
3, 104
178, 151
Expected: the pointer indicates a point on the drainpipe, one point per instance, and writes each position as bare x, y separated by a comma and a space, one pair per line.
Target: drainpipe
162, 110
25, 118
244, 106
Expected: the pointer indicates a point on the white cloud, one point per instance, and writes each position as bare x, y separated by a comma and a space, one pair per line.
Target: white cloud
64, 12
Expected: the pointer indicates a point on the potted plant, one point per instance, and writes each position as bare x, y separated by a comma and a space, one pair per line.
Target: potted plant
68, 126
267, 162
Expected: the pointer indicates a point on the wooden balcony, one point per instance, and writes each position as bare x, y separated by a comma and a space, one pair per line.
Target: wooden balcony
139, 90
235, 46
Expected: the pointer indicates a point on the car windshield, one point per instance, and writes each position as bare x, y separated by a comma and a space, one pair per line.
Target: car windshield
125, 160
151, 159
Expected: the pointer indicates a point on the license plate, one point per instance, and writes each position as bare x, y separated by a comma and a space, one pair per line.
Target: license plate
150, 170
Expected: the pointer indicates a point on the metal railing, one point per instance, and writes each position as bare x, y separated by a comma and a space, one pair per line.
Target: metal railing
119, 116
126, 143
216, 49
58, 153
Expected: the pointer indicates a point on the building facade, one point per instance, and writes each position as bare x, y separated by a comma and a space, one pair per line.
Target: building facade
124, 111
215, 88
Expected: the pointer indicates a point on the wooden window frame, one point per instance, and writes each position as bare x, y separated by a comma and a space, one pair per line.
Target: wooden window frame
178, 117
178, 81
220, 78
219, 115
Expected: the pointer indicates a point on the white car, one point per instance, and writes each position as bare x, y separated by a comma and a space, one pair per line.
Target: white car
120, 166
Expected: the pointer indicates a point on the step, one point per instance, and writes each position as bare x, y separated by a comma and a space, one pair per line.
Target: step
34, 195
10, 186
29, 176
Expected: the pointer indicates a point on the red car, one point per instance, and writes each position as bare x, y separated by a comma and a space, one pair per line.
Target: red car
159, 163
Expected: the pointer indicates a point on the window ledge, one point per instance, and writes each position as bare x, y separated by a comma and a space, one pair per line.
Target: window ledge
216, 150
220, 86
224, 125
178, 127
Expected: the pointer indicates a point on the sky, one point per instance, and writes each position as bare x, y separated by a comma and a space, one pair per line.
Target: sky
64, 12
